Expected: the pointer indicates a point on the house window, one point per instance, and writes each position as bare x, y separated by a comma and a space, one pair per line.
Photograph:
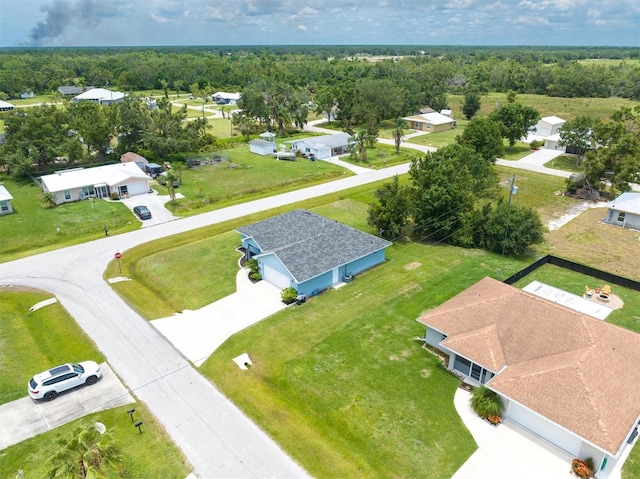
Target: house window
621, 216
4, 206
88, 190
428, 126
462, 365
67, 195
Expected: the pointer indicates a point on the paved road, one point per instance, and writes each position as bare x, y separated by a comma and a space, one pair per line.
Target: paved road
218, 439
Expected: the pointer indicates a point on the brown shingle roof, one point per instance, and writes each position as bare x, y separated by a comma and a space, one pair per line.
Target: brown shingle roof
577, 371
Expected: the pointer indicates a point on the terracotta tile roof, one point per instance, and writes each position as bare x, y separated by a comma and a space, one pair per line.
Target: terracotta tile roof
577, 371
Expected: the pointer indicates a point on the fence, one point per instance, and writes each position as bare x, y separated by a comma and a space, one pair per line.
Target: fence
580, 268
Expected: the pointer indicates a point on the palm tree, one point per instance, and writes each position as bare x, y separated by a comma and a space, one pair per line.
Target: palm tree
49, 199
398, 132
361, 139
86, 454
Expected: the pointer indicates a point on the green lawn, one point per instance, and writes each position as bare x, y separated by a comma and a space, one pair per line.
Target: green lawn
565, 163
382, 156
440, 139
32, 228
36, 100
149, 455
516, 152
31, 342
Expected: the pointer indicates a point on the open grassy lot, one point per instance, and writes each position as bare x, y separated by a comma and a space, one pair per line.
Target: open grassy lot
31, 342
587, 240
149, 455
32, 228
221, 128
245, 175
440, 139
566, 108
36, 100
610, 62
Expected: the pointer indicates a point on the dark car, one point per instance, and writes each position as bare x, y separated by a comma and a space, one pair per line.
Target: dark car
142, 212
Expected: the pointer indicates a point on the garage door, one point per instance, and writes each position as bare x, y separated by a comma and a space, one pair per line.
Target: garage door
276, 277
137, 188
544, 428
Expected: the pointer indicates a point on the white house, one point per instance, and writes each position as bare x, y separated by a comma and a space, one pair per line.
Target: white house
324, 146
5, 201
547, 130
6, 106
102, 96
432, 122
222, 97
568, 377
123, 179
625, 211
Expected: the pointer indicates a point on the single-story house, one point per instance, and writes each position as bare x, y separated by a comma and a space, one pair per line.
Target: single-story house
130, 156
566, 376
625, 211
71, 90
266, 145
547, 130
6, 106
102, 96
324, 146
5, 201
222, 97
432, 122
123, 179
308, 252
27, 94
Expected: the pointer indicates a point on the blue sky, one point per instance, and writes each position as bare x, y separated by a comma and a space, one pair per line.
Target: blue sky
250, 22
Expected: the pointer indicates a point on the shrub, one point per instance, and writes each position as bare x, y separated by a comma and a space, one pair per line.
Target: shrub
255, 276
536, 144
486, 403
253, 265
581, 469
289, 295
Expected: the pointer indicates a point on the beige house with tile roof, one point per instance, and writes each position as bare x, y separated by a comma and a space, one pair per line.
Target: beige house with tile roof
566, 376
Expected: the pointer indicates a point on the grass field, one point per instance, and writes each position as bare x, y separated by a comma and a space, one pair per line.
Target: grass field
588, 241
564, 163
609, 62
566, 108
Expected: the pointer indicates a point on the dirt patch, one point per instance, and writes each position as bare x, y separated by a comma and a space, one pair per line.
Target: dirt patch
413, 265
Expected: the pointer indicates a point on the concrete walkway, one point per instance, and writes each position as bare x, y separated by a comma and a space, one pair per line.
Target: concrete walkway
197, 334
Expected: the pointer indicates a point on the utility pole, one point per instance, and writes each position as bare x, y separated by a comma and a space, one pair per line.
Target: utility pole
512, 191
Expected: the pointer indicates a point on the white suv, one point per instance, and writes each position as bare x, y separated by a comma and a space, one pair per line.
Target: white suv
48, 384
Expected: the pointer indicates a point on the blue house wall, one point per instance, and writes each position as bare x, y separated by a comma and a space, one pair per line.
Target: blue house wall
272, 261
250, 246
365, 262
314, 285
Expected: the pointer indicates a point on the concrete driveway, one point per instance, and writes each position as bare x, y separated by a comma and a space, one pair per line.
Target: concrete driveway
155, 203
197, 334
25, 418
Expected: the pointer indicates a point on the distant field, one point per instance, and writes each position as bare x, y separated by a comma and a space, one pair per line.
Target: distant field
566, 108
607, 62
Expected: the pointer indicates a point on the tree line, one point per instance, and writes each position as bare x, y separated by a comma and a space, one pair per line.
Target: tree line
429, 71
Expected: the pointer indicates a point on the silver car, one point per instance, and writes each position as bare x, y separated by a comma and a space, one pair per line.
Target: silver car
48, 384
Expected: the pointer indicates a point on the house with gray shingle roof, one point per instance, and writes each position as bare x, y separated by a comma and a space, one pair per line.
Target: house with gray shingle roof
308, 252
568, 377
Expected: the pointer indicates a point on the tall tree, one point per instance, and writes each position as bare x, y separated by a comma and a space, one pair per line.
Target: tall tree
484, 136
95, 124
391, 212
516, 120
398, 132
441, 192
575, 135
471, 103
134, 118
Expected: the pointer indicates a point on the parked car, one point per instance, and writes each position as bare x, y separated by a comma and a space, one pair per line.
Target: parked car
48, 384
142, 212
